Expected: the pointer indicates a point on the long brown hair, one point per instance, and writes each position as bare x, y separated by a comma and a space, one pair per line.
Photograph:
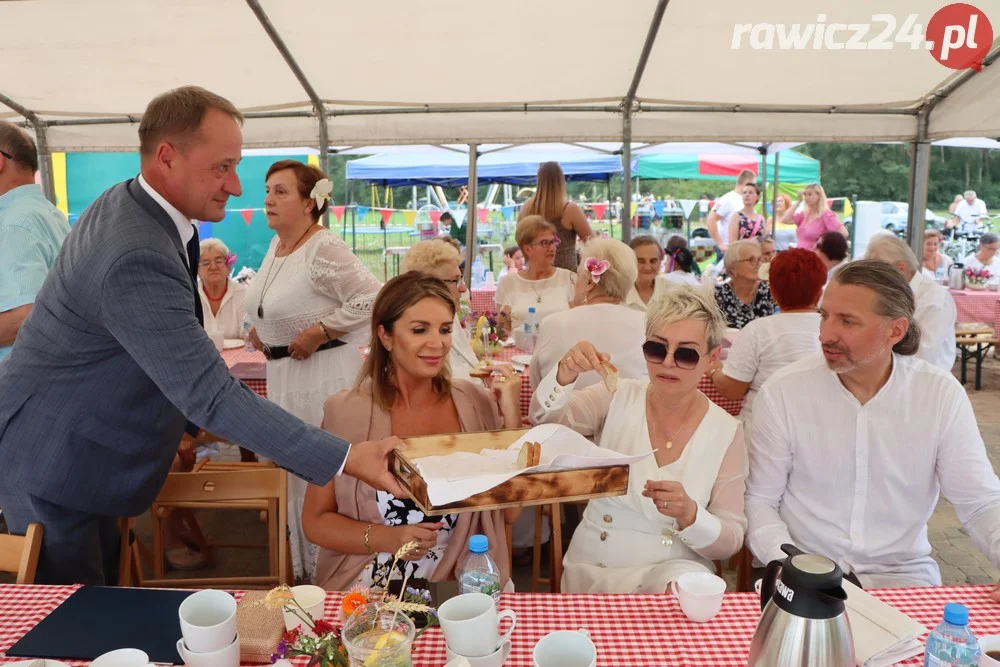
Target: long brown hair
550, 197
395, 297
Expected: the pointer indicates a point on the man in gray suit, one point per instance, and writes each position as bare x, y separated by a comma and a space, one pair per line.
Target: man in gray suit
113, 362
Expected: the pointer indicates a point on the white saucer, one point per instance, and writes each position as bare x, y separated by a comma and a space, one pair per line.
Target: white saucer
45, 663
232, 343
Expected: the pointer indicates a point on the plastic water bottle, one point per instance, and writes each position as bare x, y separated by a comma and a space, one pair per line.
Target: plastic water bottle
530, 331
952, 644
478, 273
479, 573
247, 344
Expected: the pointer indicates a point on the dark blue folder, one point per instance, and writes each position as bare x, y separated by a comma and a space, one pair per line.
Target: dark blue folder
98, 619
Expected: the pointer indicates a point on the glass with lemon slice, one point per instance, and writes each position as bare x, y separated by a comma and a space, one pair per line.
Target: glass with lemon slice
375, 636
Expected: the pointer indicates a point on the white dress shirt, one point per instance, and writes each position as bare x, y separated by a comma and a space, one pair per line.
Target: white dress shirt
184, 225
462, 359
858, 483
973, 262
726, 207
935, 315
969, 214
232, 309
614, 329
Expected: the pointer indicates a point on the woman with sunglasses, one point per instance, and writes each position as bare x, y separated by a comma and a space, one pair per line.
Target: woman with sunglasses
443, 261
797, 277
684, 506
744, 297
541, 285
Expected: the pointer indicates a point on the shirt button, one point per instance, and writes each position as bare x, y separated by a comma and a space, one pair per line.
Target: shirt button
604, 536
607, 518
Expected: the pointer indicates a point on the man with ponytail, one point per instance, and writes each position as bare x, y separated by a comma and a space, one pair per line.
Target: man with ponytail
852, 448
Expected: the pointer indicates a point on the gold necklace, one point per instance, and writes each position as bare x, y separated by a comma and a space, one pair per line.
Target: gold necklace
670, 440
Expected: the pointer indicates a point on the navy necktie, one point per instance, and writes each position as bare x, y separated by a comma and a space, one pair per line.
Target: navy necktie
194, 254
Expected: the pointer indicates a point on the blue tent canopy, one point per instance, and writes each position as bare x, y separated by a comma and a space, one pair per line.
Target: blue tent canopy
513, 166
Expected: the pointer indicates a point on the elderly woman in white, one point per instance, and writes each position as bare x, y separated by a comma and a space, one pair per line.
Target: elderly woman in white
442, 261
222, 298
684, 506
604, 279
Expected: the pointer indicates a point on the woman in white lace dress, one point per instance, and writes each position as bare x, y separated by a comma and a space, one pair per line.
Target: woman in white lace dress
310, 307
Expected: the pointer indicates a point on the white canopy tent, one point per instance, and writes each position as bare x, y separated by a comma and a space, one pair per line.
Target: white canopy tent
373, 73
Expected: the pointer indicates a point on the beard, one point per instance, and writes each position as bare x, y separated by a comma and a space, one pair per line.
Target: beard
848, 363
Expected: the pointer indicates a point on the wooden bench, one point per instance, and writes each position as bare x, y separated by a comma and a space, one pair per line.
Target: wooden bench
974, 341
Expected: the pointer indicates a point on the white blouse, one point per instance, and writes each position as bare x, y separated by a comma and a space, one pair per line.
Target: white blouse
321, 281
229, 319
546, 296
623, 544
614, 329
462, 360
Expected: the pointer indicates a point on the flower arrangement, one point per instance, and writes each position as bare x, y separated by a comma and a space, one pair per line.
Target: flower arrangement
328, 648
484, 333
976, 278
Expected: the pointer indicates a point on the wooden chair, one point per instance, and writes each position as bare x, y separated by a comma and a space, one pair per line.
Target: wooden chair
19, 554
554, 512
221, 486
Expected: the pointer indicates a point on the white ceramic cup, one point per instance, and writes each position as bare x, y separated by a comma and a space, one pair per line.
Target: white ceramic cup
495, 659
310, 598
700, 595
991, 643
471, 624
565, 648
208, 621
123, 657
226, 657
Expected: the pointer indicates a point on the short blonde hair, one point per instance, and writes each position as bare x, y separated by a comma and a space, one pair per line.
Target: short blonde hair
933, 233
685, 302
623, 271
530, 228
427, 256
734, 253
213, 245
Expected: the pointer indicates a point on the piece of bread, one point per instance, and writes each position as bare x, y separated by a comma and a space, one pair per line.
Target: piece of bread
536, 453
524, 457
610, 377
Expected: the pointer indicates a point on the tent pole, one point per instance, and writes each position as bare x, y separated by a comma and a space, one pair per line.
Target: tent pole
774, 199
762, 151
626, 175
41, 146
471, 217
919, 174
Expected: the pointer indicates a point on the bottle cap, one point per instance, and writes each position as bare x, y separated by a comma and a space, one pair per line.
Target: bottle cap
956, 614
479, 544
531, 310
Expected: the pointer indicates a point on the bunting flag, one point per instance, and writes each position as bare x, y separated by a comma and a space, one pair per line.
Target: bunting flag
386, 214
204, 230
435, 216
508, 212
484, 214
410, 216
338, 211
599, 210
362, 211
658, 207
247, 214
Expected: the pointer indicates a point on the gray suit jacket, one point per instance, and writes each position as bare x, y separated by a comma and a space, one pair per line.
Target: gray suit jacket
112, 362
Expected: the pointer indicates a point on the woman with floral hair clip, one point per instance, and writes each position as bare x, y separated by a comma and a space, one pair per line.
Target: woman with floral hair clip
222, 298
310, 309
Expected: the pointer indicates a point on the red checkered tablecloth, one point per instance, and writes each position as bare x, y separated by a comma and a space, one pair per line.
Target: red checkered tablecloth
629, 630
978, 306
243, 356
481, 300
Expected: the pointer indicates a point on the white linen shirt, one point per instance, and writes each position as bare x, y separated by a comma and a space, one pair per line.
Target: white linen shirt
232, 310
969, 214
726, 207
858, 483
973, 262
935, 315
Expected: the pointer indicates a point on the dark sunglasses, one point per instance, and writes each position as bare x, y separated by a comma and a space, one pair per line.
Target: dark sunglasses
656, 352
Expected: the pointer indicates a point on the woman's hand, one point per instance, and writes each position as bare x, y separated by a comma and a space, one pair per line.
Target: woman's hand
306, 343
995, 594
255, 340
581, 358
507, 391
424, 534
672, 500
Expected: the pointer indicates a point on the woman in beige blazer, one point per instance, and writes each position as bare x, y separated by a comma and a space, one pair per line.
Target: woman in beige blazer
405, 390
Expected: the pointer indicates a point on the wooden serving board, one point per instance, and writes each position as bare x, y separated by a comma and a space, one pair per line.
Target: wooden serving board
524, 490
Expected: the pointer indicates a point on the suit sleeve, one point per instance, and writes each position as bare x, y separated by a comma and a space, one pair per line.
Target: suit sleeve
148, 306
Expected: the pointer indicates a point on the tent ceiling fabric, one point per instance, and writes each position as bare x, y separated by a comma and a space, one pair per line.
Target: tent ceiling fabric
108, 58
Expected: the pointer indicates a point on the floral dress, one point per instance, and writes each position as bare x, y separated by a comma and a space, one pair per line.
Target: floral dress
739, 314
404, 512
750, 227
